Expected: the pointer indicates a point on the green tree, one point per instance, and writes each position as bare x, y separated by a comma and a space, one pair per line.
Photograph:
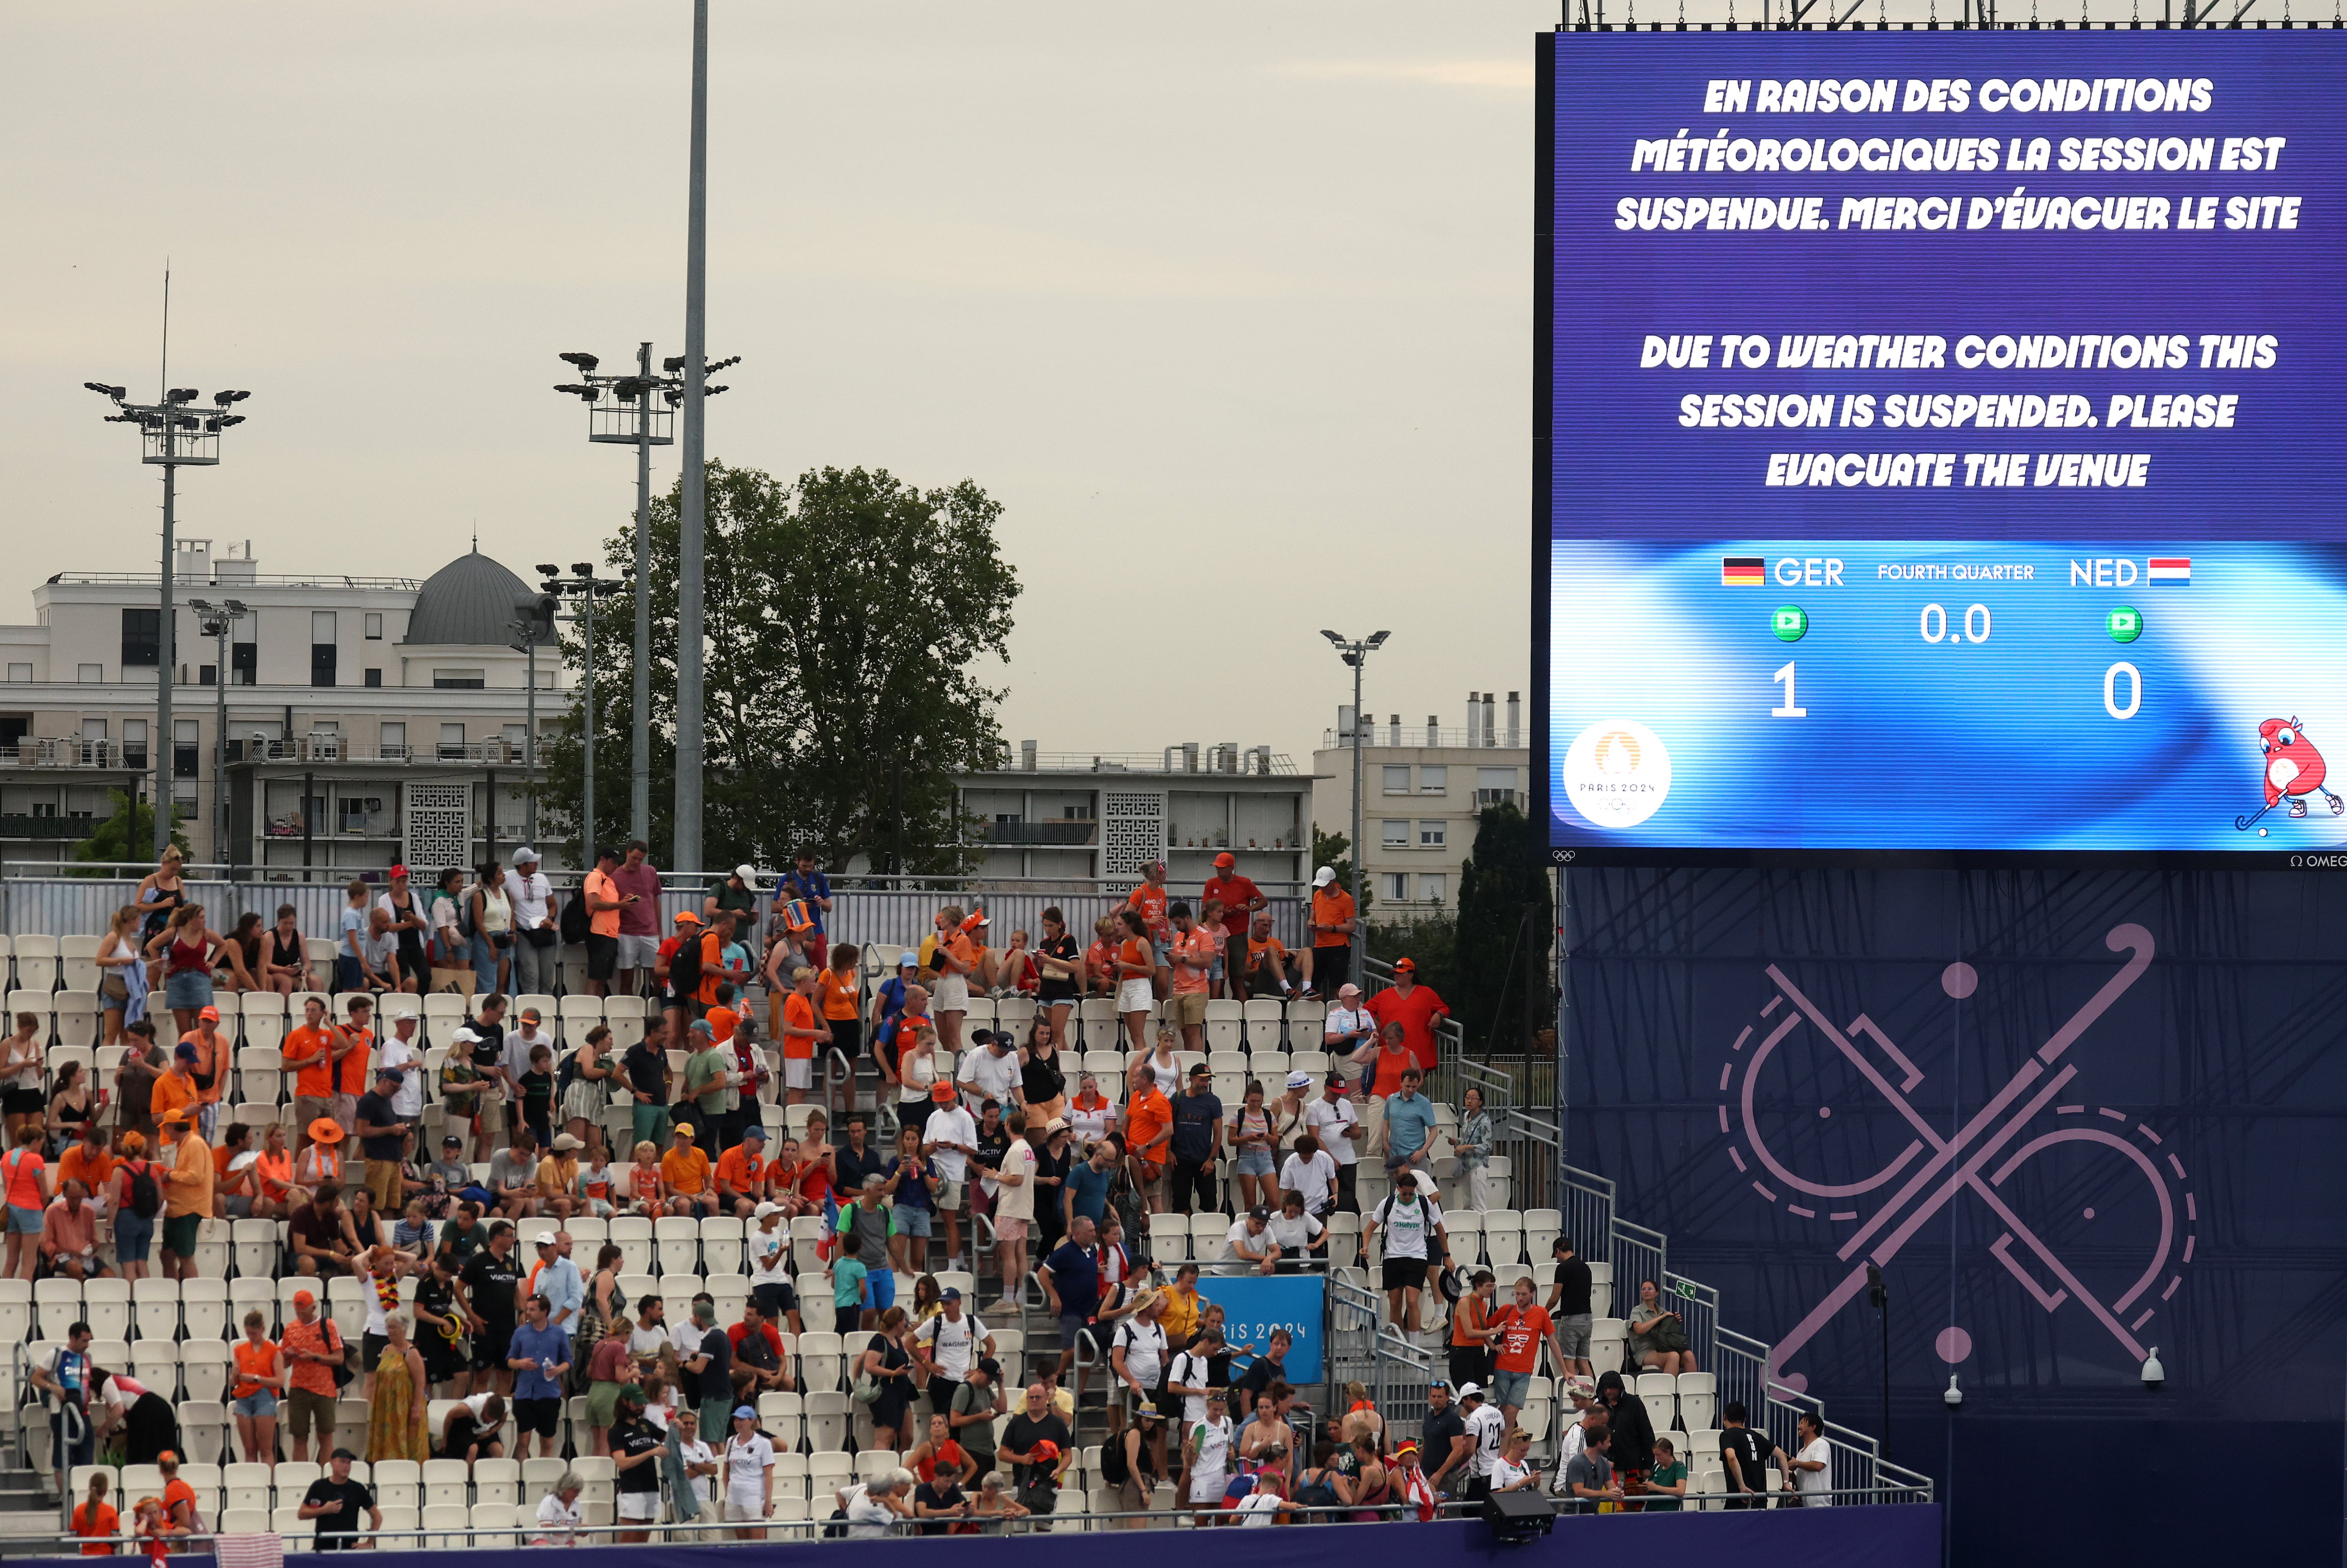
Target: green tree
845, 611
127, 836
1506, 919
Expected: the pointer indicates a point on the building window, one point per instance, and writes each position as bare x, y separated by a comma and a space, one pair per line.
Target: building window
1496, 786
452, 742
1429, 888
207, 674
142, 630
1395, 835
459, 679
243, 663
1431, 835
20, 672
90, 674
93, 728
374, 626
1397, 780
134, 743
1434, 781
393, 741
374, 677
1393, 886
187, 741
322, 639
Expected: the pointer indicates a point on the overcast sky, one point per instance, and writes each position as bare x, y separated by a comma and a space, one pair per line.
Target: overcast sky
1229, 305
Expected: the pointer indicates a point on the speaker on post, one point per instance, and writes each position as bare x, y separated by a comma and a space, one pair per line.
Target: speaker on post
1516, 1517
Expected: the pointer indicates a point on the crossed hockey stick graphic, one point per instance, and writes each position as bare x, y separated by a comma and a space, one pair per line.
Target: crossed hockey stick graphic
1973, 1160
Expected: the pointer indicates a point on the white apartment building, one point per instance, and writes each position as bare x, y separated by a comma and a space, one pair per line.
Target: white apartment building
369, 719
1422, 787
1092, 816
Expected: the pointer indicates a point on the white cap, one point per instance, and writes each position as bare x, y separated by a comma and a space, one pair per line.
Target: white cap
746, 872
1467, 1389
543, 1239
763, 1210
525, 856
465, 1034
1325, 876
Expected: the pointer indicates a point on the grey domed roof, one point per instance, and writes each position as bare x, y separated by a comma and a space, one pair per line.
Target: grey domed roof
469, 600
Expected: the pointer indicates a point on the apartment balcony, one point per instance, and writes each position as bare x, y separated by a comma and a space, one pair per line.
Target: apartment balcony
102, 756
1059, 833
48, 829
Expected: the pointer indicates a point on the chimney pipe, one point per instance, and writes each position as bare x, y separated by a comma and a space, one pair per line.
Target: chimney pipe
1189, 756
1515, 720
1489, 721
1393, 730
1474, 721
1433, 730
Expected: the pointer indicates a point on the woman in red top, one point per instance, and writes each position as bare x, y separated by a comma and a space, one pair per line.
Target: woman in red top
937, 1451
1136, 967
95, 1521
187, 948
260, 1384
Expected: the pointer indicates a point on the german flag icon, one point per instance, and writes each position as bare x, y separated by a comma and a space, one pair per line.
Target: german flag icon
1743, 571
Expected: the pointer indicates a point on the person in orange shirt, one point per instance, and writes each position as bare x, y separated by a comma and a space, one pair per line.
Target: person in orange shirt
1151, 899
95, 1519
176, 1090
1334, 923
1136, 968
86, 1162
1148, 1132
272, 1176
1268, 961
316, 1047
178, 1497
604, 902
742, 1174
213, 1061
684, 1172
351, 1076
713, 940
187, 1193
955, 959
260, 1382
840, 986
803, 1031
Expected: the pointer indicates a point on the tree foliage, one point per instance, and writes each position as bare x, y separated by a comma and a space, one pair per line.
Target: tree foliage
1506, 920
127, 836
844, 613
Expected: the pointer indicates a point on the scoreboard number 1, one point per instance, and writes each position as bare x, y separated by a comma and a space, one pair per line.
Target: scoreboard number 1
1791, 708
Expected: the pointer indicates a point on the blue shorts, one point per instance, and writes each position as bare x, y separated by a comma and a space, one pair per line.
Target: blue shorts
347, 973
1511, 1387
1254, 1162
912, 1221
133, 1237
880, 1290
190, 989
263, 1403
23, 1221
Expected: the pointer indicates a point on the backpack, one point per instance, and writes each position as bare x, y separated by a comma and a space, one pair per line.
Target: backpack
1113, 1468
684, 969
146, 1197
575, 921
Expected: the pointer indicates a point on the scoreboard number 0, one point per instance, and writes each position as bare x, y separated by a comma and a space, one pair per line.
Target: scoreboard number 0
2111, 691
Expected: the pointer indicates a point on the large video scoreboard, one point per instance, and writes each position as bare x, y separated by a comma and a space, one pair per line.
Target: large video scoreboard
1942, 446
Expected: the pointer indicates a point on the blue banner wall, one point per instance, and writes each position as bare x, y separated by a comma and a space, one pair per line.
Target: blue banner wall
2073, 1117
1254, 1305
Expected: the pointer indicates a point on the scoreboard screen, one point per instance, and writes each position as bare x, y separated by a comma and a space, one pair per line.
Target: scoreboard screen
1938, 448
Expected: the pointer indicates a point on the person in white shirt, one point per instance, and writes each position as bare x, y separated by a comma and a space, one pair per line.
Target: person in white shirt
399, 1049
989, 1070
559, 1513
1336, 1123
1185, 1379
1311, 1172
1513, 1471
1415, 1238
1206, 1456
951, 1342
874, 1507
947, 1139
1350, 1028
1249, 1247
1137, 1354
649, 1332
533, 911
770, 1267
1297, 1232
749, 1476
1810, 1471
1488, 1428
527, 1035
701, 1466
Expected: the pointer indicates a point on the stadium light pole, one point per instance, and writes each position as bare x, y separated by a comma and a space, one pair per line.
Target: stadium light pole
692, 501
172, 435
1356, 654
637, 411
583, 585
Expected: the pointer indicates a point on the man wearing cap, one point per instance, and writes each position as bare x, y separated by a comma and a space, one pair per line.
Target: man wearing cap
557, 1278
210, 1071
708, 1074
383, 1140
678, 970
333, 1503
809, 886
1486, 1429
1415, 1007
513, 1061
743, 1177
409, 926
187, 1193
400, 1051
1333, 1119
537, 939
946, 1345
949, 1139
1334, 923
538, 1353
1349, 1031
176, 1089
989, 1070
685, 1171
313, 1348
1197, 1141
1240, 898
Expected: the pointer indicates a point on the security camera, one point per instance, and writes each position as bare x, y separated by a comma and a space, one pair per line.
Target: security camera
1954, 1398
2154, 1374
